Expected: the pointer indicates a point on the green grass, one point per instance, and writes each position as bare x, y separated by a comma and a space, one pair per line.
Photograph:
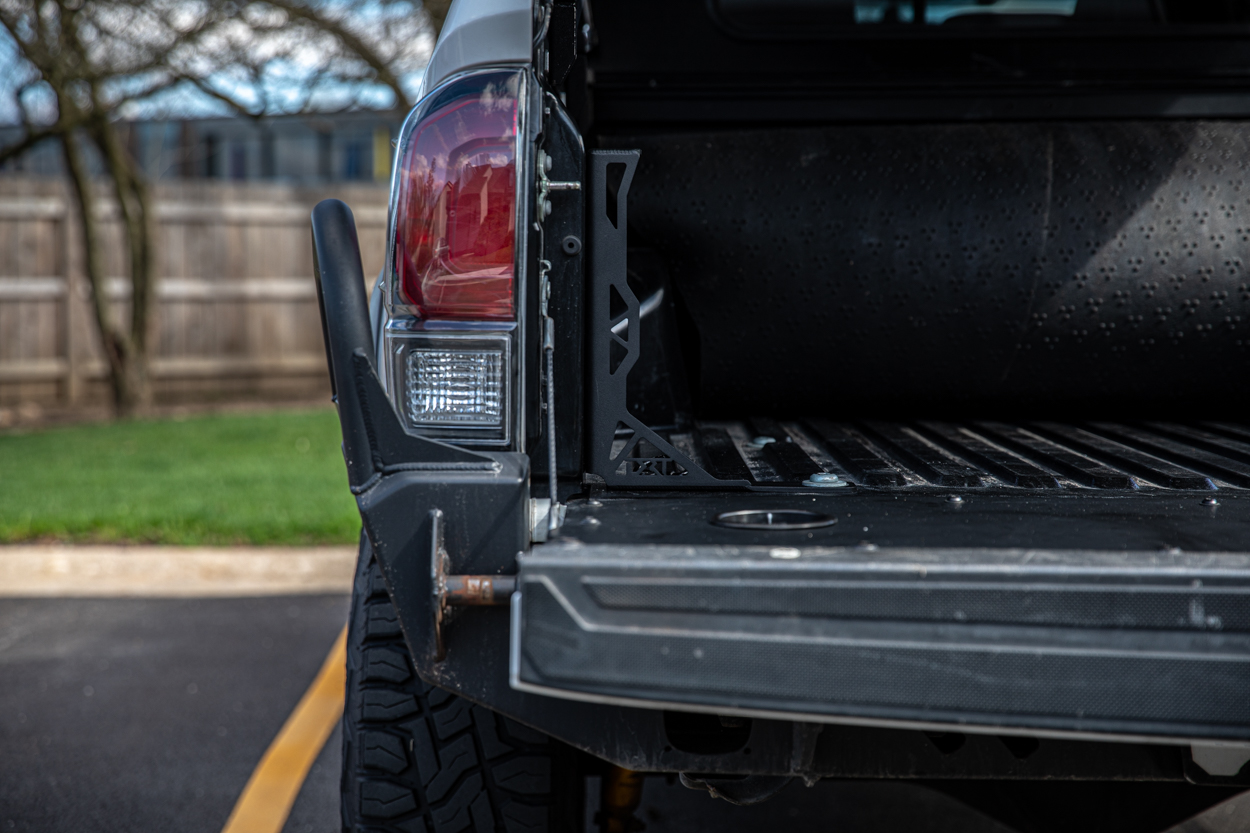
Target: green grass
258, 478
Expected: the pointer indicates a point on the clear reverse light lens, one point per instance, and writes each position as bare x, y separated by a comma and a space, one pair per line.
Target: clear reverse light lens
455, 387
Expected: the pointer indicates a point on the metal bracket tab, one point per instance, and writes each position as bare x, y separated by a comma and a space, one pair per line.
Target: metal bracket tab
458, 591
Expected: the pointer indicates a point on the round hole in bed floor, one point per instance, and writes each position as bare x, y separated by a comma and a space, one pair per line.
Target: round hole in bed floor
775, 519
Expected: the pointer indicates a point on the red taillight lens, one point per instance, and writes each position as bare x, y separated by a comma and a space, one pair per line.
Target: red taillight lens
455, 234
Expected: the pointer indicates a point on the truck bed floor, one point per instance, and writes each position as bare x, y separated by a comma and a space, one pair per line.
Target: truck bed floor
1036, 456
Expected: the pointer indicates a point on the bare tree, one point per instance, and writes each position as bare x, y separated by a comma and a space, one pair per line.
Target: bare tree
301, 56
85, 61
82, 60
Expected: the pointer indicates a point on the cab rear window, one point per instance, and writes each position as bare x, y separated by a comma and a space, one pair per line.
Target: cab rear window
971, 16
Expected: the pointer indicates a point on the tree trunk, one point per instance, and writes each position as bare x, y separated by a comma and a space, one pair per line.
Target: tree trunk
118, 351
134, 203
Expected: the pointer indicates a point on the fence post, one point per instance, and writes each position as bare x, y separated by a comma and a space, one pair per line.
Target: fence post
71, 268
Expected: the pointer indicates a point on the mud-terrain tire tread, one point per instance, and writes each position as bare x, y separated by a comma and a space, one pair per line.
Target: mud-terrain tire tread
419, 759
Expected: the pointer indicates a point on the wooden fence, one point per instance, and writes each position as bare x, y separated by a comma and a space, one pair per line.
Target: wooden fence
236, 313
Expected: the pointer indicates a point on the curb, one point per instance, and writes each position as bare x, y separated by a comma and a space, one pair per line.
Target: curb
173, 572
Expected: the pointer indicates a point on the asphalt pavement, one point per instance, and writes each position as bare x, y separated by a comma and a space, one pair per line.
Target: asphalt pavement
150, 714
131, 714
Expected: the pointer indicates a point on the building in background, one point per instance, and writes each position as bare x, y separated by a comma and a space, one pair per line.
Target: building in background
304, 149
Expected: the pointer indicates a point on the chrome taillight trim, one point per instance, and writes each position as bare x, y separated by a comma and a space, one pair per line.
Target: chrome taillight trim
399, 343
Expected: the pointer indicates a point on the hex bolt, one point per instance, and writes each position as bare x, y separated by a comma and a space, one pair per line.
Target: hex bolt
824, 480
954, 499
1210, 501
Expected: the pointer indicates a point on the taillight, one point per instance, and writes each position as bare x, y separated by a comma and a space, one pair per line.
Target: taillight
455, 240
453, 259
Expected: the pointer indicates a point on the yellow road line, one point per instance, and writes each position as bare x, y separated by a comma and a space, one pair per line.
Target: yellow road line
270, 792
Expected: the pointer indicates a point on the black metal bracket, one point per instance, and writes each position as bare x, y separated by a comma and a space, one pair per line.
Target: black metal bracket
375, 442
623, 451
401, 480
563, 35
458, 591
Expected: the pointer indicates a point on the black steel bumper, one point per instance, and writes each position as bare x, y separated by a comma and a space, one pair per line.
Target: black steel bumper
1141, 644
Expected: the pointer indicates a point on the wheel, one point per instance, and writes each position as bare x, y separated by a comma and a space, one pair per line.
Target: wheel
418, 758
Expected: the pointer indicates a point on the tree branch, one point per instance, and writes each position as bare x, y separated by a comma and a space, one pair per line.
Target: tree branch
235, 104
353, 43
31, 139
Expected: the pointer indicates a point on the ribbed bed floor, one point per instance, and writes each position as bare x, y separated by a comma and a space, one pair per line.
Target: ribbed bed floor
1028, 455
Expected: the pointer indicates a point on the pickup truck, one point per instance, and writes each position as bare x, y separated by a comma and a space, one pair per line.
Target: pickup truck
766, 391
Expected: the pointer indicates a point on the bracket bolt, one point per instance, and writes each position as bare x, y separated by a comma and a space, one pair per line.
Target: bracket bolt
825, 480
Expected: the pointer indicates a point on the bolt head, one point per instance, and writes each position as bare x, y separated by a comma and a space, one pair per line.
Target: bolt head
954, 499
1210, 501
825, 480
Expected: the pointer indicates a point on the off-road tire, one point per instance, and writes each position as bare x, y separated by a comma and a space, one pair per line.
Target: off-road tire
419, 759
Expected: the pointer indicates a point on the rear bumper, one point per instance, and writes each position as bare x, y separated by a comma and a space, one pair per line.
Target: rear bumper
948, 622
1063, 642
